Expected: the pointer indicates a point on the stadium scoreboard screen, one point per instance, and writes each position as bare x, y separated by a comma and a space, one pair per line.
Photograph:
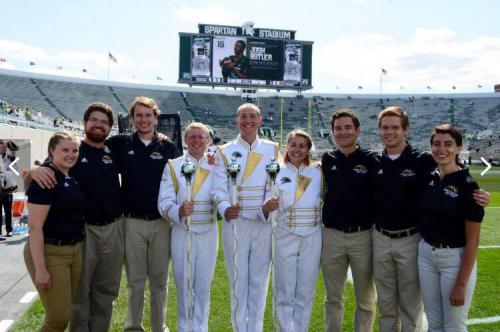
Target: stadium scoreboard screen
245, 57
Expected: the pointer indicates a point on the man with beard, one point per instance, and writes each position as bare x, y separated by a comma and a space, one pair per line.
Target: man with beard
103, 250
141, 158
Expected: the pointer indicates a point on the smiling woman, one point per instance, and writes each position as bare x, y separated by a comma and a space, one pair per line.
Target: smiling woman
56, 220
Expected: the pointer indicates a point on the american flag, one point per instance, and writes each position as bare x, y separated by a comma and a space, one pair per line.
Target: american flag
384, 71
112, 57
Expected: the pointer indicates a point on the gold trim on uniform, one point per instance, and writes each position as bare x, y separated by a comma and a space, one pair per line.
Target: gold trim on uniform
173, 176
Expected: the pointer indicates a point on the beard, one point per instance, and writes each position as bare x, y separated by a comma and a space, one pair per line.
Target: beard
96, 137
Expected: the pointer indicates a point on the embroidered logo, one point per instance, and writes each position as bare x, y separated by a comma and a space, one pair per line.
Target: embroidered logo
334, 168
107, 159
406, 173
131, 152
431, 183
285, 180
360, 169
236, 154
451, 191
84, 160
156, 156
66, 184
380, 172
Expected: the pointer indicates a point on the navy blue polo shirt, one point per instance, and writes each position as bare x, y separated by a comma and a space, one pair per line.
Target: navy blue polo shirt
65, 220
97, 174
348, 200
399, 185
445, 206
141, 168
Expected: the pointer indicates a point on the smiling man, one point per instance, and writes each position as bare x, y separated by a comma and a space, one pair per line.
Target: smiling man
141, 157
348, 220
253, 238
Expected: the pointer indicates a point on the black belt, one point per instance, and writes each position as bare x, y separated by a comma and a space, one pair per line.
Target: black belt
101, 223
62, 242
142, 216
436, 245
397, 234
353, 229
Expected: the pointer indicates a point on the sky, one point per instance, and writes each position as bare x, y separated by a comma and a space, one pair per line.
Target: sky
435, 43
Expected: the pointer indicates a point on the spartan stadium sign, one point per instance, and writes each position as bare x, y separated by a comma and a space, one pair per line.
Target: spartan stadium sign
246, 29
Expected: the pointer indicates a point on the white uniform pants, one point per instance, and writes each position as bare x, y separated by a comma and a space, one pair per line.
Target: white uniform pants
438, 270
204, 248
253, 264
297, 262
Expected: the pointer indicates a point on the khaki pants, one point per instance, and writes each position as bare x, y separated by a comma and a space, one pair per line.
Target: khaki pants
102, 263
64, 266
341, 250
147, 255
396, 277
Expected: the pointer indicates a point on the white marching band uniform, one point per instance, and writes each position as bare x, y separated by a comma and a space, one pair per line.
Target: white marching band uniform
253, 232
204, 244
298, 245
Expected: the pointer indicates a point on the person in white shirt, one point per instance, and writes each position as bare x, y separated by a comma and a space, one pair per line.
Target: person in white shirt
194, 258
298, 234
250, 274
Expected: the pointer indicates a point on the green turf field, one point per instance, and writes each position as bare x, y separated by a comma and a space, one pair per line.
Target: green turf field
485, 303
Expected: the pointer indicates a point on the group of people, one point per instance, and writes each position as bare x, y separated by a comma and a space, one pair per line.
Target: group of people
398, 219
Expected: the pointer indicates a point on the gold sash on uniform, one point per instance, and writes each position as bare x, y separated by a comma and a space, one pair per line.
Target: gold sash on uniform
199, 178
253, 160
302, 184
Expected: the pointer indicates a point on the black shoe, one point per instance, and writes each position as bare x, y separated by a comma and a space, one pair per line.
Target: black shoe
2, 239
9, 234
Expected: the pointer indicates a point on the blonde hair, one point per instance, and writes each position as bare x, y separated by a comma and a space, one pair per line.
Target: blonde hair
147, 102
306, 136
59, 136
197, 125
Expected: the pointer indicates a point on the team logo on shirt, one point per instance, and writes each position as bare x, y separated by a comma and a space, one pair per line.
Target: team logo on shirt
360, 169
451, 191
156, 156
131, 152
236, 154
406, 173
285, 180
431, 184
334, 168
66, 184
380, 172
107, 159
84, 160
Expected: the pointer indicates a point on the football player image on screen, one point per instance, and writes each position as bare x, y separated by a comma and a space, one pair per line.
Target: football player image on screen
293, 67
235, 66
200, 64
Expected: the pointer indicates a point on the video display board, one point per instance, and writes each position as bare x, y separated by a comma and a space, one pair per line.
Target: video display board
245, 57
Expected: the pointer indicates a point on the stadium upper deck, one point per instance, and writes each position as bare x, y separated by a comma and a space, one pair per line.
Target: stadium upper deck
477, 115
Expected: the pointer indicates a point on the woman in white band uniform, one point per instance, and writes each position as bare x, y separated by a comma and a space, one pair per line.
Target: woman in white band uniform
174, 206
298, 235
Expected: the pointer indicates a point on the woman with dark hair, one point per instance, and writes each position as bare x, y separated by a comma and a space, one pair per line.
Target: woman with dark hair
56, 220
298, 234
450, 223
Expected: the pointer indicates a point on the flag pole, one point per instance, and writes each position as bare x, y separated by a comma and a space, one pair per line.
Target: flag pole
108, 63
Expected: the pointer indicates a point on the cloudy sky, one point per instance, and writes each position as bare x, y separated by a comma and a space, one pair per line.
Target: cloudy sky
436, 43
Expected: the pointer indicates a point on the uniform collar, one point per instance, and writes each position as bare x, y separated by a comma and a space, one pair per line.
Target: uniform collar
295, 169
407, 150
246, 145
193, 159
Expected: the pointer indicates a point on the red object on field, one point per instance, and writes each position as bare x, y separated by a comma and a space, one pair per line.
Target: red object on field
18, 208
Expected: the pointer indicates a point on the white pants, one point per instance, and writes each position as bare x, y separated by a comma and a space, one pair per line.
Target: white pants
438, 270
297, 262
204, 248
253, 264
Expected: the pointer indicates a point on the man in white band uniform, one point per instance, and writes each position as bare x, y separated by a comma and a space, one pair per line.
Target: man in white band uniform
253, 233
174, 206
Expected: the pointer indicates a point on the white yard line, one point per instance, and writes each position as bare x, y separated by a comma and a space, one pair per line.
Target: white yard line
5, 324
487, 320
489, 247
28, 297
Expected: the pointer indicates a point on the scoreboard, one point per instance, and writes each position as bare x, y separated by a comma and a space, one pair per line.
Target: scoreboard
245, 57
